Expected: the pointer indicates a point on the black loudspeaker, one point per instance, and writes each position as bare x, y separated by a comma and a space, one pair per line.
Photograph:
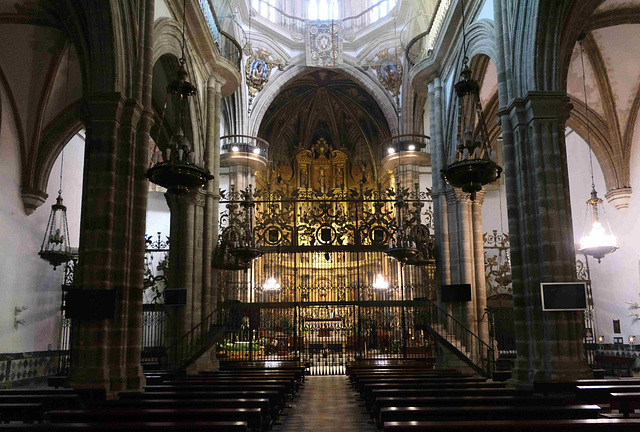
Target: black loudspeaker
175, 297
90, 304
455, 293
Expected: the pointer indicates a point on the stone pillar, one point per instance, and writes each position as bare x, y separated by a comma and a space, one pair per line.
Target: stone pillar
462, 256
480, 292
549, 344
439, 199
113, 204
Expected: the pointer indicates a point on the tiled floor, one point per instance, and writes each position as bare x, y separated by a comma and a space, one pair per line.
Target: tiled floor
326, 403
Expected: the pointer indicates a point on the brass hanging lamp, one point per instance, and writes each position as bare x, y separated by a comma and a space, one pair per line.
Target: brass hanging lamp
55, 248
473, 167
177, 170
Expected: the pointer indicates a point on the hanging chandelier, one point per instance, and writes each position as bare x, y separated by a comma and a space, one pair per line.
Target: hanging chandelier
55, 248
245, 247
599, 241
403, 249
177, 170
473, 167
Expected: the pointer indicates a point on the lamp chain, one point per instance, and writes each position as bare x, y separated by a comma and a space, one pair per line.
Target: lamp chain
586, 113
61, 165
464, 36
184, 21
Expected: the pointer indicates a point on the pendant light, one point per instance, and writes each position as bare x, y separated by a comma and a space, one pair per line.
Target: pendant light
55, 247
599, 241
178, 171
473, 167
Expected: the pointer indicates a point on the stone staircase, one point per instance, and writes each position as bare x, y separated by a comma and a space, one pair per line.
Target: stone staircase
454, 337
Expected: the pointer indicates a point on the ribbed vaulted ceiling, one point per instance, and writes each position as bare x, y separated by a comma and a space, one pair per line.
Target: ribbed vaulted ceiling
327, 104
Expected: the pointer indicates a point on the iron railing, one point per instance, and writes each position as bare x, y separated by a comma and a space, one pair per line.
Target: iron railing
405, 143
244, 144
458, 338
229, 48
189, 347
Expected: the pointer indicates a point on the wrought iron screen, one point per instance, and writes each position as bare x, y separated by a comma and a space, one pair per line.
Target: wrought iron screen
324, 291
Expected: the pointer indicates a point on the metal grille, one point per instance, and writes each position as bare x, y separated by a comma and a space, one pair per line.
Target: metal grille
325, 292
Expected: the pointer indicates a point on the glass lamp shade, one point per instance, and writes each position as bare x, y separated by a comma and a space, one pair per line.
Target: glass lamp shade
271, 284
379, 283
597, 242
55, 247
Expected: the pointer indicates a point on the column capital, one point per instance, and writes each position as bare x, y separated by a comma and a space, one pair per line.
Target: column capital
216, 81
538, 106
456, 195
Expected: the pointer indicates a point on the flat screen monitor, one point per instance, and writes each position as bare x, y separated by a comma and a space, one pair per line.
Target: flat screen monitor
175, 297
455, 293
90, 304
563, 296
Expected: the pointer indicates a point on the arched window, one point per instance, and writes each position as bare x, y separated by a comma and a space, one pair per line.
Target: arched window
381, 8
323, 10
266, 8
313, 10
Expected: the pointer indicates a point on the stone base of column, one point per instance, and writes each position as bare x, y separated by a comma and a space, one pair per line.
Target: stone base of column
136, 379
447, 360
206, 362
561, 370
90, 378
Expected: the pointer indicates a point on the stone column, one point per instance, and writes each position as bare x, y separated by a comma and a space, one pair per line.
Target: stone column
439, 199
549, 344
462, 256
479, 274
113, 201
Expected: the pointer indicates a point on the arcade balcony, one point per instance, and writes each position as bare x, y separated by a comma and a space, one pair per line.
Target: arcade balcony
405, 149
244, 150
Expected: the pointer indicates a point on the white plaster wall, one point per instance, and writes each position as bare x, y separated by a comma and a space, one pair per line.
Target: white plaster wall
491, 209
25, 279
158, 215
615, 281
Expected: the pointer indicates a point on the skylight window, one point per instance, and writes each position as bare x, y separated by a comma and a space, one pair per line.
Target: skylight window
323, 10
266, 8
381, 9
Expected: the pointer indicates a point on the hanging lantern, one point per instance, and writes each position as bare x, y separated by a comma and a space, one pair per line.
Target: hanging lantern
598, 241
245, 247
55, 246
403, 249
178, 171
473, 167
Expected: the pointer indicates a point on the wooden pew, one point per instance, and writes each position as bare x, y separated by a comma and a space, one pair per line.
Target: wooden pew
371, 391
486, 392
362, 384
263, 404
570, 386
252, 416
625, 402
48, 401
24, 412
579, 425
280, 389
602, 393
483, 413
275, 401
435, 401
214, 426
